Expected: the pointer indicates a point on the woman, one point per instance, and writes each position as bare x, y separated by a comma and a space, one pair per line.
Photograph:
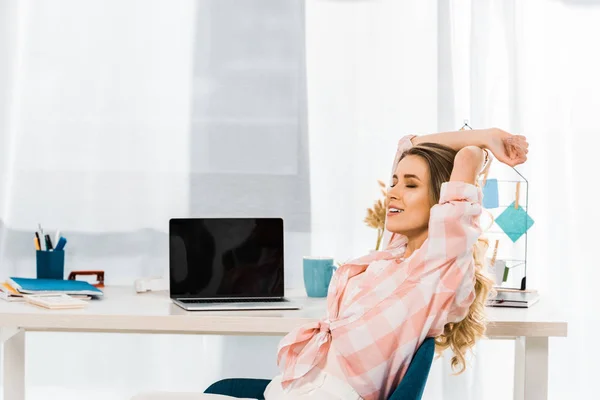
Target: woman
428, 282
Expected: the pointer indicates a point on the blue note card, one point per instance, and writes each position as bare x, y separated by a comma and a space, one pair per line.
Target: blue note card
514, 222
490, 194
29, 286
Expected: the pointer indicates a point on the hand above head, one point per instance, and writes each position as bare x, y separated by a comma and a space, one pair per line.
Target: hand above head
507, 148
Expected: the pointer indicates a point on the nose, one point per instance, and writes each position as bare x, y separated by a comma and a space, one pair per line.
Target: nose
393, 193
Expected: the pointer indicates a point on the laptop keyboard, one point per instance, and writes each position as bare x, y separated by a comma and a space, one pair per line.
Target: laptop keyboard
205, 301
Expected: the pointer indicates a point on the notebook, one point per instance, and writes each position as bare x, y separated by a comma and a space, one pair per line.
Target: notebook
514, 299
35, 286
56, 301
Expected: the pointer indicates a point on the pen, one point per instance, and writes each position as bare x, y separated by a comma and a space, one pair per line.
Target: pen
56, 237
48, 243
38, 242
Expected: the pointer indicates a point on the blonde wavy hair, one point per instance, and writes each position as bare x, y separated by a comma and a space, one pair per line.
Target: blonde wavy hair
460, 336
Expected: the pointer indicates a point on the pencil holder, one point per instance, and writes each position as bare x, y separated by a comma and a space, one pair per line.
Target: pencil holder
50, 264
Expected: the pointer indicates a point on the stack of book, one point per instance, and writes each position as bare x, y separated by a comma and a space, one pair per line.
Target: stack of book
36, 290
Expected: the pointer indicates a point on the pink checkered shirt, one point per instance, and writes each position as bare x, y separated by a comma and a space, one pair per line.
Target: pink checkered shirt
399, 302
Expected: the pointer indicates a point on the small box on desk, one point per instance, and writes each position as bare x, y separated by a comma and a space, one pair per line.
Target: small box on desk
50, 264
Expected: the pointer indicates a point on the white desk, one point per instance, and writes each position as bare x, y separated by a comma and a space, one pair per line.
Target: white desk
123, 311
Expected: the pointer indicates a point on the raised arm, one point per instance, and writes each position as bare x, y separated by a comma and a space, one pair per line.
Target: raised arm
507, 148
458, 139
467, 164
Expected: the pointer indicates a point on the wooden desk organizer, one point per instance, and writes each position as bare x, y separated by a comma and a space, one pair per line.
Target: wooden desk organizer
99, 277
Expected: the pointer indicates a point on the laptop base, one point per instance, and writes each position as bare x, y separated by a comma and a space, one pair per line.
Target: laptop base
236, 306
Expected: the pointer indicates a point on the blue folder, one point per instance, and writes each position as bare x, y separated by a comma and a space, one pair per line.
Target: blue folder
35, 286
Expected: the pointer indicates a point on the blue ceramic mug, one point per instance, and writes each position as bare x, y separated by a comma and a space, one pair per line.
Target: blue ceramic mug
317, 275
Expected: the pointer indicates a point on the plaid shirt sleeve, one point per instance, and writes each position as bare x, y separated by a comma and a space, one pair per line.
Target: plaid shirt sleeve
453, 225
446, 257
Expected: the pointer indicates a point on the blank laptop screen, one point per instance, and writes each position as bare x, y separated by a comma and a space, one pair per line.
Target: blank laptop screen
226, 257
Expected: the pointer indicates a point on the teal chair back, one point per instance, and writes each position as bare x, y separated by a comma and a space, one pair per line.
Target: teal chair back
413, 384
240, 387
410, 388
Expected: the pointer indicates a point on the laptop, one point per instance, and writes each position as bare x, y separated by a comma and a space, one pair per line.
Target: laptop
227, 264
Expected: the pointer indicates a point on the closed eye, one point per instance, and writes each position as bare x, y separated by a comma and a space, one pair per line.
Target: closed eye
410, 186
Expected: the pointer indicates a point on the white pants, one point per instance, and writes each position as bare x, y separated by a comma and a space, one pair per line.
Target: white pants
321, 387
318, 386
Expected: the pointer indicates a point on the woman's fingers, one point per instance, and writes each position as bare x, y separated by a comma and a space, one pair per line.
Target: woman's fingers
515, 149
519, 155
523, 141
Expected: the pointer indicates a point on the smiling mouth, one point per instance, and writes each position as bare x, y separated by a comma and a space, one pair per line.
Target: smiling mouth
395, 211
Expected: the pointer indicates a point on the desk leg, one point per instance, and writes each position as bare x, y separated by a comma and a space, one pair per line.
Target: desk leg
531, 368
14, 363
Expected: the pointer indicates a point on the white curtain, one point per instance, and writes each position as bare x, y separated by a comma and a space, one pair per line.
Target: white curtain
108, 114
380, 69
117, 116
528, 67
96, 132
